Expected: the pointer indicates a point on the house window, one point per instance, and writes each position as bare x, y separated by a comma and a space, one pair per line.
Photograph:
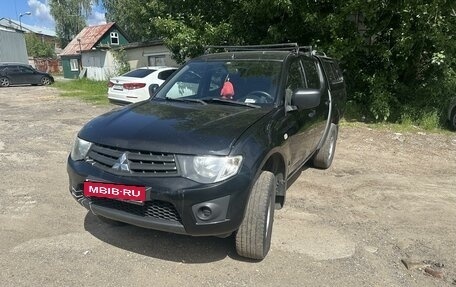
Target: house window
114, 38
74, 65
156, 60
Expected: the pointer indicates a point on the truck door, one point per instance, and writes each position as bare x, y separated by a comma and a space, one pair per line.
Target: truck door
315, 80
300, 122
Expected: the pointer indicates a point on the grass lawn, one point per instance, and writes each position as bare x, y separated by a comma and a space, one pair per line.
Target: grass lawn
90, 91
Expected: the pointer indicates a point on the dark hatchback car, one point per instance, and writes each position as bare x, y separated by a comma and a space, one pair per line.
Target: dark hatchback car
22, 74
215, 148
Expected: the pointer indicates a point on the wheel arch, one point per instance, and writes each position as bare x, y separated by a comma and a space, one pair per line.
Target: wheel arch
276, 164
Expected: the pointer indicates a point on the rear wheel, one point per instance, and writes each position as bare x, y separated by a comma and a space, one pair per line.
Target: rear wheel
4, 82
253, 239
325, 155
45, 81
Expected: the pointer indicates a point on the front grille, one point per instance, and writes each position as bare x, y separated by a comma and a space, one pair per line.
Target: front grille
156, 208
139, 163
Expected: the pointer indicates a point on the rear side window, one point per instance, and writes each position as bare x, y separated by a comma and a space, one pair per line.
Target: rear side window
165, 74
12, 69
332, 72
25, 70
139, 73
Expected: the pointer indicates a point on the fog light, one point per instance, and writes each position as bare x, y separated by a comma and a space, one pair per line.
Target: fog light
204, 213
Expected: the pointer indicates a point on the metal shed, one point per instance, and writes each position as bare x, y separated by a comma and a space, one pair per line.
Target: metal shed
12, 47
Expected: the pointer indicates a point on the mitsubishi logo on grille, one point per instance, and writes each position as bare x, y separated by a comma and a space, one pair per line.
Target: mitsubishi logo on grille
122, 163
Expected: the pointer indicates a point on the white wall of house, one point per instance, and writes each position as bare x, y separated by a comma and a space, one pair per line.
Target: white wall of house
157, 55
100, 65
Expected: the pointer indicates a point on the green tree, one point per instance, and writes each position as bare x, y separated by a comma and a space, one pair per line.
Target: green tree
38, 48
69, 16
399, 56
133, 16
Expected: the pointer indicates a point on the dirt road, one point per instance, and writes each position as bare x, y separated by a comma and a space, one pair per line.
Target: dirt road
387, 197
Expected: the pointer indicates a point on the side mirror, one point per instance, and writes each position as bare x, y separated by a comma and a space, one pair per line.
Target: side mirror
152, 89
306, 98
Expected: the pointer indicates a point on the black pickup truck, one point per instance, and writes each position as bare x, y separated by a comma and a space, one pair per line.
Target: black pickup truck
212, 152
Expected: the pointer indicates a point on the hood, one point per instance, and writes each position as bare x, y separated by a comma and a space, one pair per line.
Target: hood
184, 128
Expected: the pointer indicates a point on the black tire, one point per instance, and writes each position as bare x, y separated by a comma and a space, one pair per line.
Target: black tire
453, 119
110, 221
325, 155
253, 238
4, 82
45, 81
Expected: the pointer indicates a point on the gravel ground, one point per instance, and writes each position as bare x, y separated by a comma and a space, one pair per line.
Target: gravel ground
388, 197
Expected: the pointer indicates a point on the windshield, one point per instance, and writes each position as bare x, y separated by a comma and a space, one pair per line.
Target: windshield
251, 82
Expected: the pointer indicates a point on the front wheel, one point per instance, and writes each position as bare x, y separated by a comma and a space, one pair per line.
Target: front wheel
45, 81
4, 82
253, 239
325, 155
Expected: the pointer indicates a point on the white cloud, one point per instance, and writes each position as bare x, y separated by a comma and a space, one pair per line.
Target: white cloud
96, 18
41, 12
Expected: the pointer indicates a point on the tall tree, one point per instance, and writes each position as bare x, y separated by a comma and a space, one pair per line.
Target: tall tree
69, 16
133, 16
37, 47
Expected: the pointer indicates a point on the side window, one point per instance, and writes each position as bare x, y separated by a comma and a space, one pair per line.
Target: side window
337, 72
329, 71
13, 70
295, 81
74, 64
311, 72
156, 60
165, 74
25, 70
186, 85
332, 72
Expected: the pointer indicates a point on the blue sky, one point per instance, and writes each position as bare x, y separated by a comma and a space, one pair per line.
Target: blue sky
40, 13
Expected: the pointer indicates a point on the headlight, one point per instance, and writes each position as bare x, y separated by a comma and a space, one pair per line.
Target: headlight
80, 149
209, 169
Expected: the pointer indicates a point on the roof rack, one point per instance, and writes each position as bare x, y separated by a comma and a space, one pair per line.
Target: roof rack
294, 47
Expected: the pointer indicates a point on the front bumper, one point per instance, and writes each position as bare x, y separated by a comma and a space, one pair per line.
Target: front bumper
173, 204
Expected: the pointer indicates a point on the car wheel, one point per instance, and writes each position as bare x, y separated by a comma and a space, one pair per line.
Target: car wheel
453, 119
45, 81
253, 238
325, 155
4, 82
110, 221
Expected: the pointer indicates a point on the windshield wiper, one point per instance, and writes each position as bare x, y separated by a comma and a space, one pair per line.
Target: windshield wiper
230, 102
187, 100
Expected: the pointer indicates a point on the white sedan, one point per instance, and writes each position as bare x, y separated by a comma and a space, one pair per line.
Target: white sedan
134, 86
